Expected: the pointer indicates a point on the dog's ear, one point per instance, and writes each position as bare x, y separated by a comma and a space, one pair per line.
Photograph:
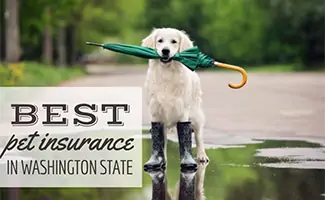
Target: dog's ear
185, 42
149, 41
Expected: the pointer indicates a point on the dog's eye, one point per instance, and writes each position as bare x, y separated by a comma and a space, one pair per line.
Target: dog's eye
174, 41
160, 40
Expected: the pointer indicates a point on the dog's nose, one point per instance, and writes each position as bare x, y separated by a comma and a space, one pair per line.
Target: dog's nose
165, 51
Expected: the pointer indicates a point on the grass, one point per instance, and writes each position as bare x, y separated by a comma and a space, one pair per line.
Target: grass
37, 74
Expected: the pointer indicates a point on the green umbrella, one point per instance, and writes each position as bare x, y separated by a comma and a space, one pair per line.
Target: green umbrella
192, 58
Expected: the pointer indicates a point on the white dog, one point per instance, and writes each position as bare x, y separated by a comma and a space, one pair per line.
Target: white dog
173, 92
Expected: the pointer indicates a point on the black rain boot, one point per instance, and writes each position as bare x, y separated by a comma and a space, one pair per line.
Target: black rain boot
185, 145
157, 158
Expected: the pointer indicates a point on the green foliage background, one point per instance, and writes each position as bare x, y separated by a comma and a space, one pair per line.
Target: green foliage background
243, 32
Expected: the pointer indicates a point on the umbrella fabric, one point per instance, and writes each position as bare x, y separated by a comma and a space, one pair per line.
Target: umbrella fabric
192, 58
138, 51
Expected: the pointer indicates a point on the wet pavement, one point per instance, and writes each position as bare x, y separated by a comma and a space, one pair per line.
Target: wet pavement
270, 104
268, 169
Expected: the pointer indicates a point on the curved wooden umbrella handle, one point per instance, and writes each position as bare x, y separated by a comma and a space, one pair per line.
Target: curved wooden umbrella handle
232, 67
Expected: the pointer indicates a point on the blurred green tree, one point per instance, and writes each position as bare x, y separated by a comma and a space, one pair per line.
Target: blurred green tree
243, 32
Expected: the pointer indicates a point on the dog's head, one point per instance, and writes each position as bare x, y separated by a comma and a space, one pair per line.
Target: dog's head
167, 42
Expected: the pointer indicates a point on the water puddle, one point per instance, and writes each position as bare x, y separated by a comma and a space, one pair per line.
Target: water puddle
261, 170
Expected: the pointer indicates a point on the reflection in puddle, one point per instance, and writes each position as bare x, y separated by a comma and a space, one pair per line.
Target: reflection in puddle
269, 169
273, 169
303, 158
159, 185
190, 185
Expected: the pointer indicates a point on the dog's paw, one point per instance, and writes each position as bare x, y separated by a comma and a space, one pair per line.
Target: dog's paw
202, 157
201, 167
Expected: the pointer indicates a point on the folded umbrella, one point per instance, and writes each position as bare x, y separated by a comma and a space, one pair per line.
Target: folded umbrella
192, 58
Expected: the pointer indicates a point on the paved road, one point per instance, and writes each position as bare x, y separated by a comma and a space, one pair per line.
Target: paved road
270, 104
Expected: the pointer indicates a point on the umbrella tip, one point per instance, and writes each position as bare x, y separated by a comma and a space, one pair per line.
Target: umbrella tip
94, 44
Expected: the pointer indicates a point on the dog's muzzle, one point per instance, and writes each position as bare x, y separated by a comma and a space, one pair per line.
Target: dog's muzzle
165, 55
165, 59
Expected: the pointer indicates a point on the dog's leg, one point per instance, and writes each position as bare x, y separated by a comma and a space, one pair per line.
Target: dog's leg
199, 181
198, 125
176, 191
201, 155
166, 130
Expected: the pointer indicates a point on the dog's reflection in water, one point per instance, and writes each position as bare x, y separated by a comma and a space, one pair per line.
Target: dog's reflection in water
159, 185
189, 187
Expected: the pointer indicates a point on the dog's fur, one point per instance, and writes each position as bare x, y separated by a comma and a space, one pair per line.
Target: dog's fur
173, 92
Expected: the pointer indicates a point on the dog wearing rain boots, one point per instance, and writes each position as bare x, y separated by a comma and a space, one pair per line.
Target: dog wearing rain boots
174, 96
